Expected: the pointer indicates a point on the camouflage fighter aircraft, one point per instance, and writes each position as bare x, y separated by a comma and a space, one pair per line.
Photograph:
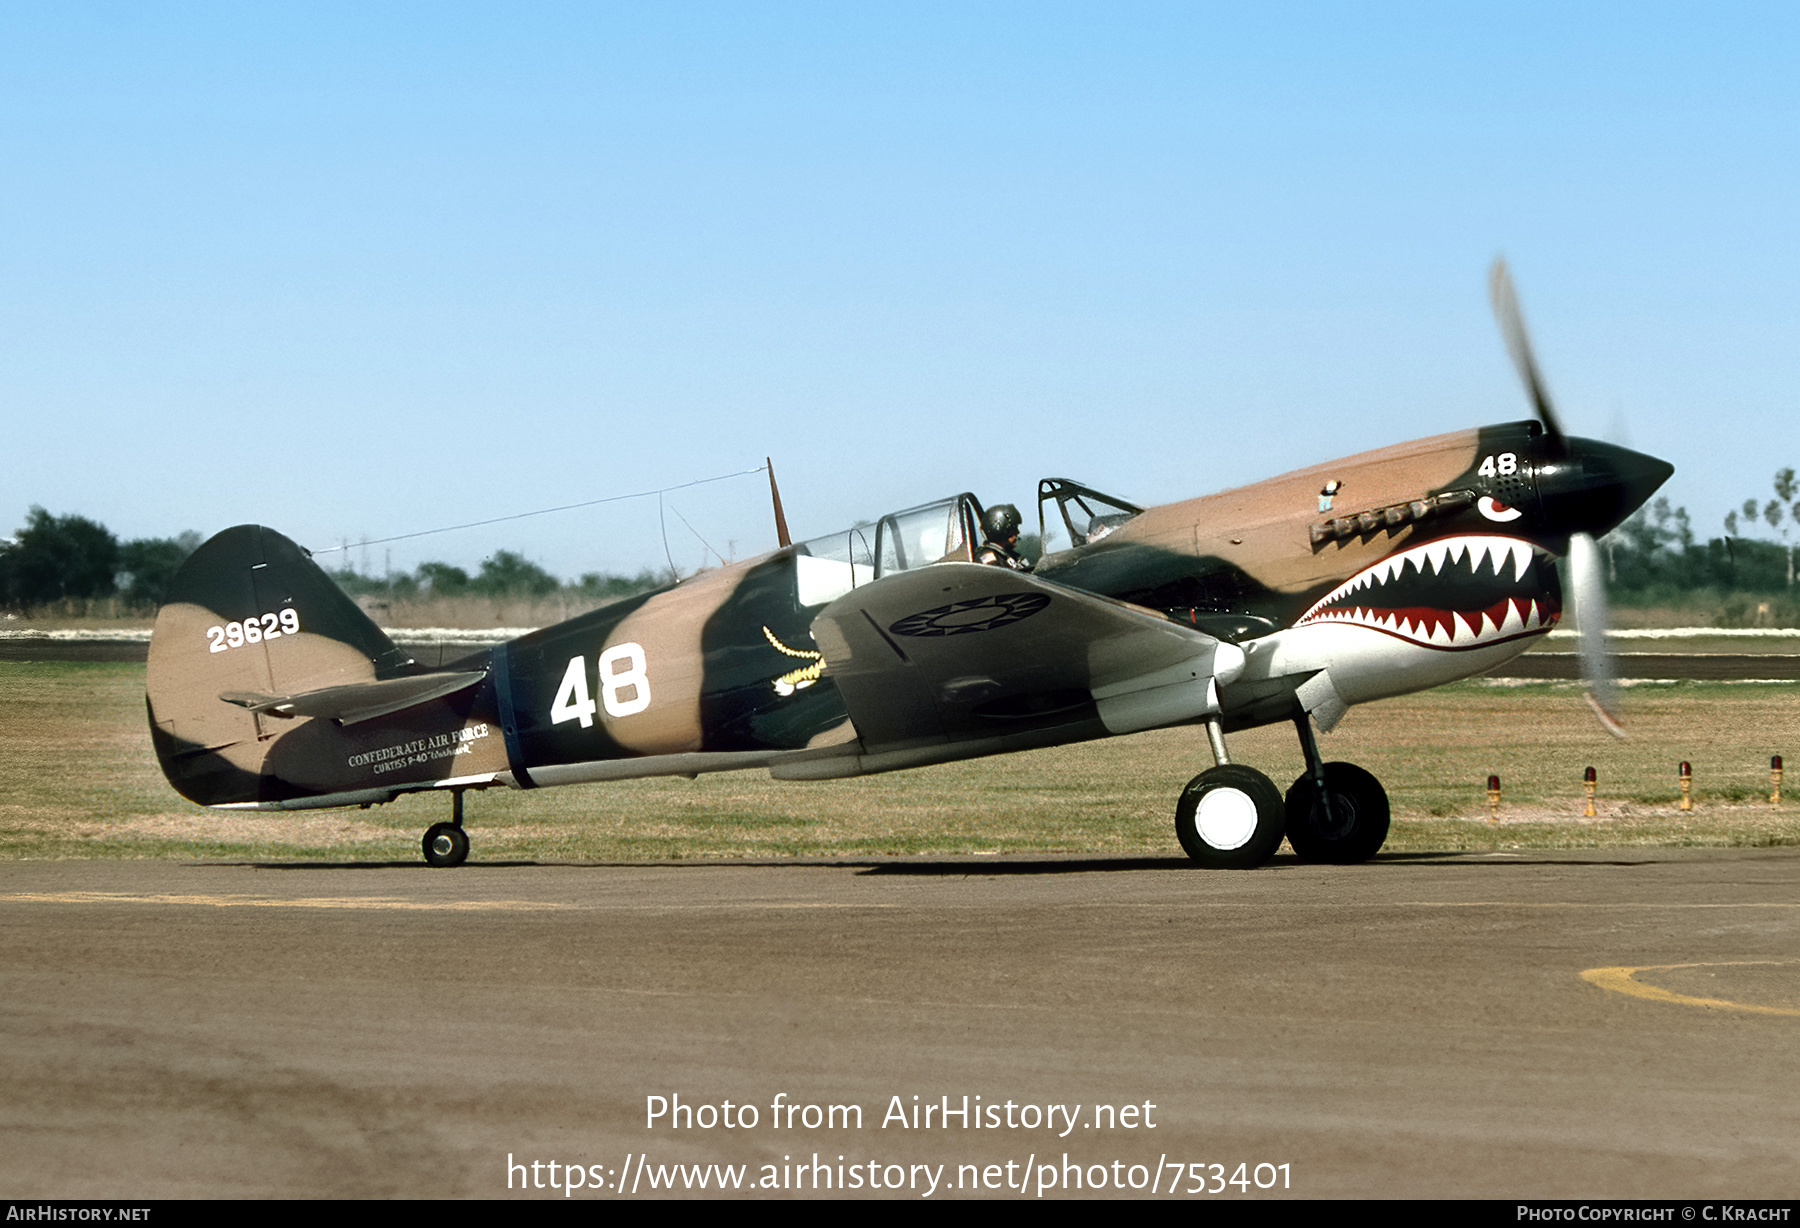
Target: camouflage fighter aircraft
886, 647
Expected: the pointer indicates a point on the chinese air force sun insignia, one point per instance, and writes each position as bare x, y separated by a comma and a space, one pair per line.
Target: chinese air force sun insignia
979, 614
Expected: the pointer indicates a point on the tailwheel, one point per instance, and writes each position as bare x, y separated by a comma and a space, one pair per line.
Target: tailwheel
446, 844
1230, 817
1354, 825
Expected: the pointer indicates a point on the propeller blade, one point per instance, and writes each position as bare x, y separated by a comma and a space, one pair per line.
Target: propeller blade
1589, 583
1518, 344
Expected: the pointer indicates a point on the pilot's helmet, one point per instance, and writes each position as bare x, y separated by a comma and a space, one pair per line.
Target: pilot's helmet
1001, 522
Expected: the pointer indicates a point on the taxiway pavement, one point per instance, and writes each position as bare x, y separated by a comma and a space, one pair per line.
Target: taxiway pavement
1416, 1026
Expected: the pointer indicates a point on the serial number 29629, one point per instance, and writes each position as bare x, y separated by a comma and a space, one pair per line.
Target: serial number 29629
254, 630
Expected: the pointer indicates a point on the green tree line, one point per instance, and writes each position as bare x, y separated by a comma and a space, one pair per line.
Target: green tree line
61, 560
1654, 558
505, 574
71, 562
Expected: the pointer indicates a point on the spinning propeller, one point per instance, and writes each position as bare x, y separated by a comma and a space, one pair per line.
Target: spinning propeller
1579, 460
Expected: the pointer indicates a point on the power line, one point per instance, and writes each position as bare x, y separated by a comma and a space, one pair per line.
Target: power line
567, 507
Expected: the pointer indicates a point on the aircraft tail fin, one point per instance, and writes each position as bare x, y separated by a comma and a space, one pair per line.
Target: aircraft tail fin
249, 614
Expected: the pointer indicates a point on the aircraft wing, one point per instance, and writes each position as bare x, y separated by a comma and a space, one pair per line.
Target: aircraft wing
958, 652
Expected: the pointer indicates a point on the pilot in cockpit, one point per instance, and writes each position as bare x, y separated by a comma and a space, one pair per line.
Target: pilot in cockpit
1001, 525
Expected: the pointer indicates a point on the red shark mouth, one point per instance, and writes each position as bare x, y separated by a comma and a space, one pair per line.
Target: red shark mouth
1452, 594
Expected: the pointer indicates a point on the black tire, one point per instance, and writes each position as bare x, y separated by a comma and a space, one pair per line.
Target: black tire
1357, 825
446, 844
1230, 818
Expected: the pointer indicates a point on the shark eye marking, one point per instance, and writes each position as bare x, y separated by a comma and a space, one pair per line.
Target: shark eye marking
1493, 509
980, 614
1450, 594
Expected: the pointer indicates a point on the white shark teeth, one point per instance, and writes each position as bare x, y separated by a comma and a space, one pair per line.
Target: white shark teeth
1504, 558
1508, 557
1478, 556
1521, 554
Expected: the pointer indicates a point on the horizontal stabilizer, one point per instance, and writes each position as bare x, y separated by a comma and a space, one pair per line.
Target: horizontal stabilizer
357, 701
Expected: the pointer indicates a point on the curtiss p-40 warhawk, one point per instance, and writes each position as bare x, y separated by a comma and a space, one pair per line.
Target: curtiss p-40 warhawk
888, 646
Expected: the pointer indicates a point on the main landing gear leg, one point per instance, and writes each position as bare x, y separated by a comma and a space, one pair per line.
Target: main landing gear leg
1336, 812
446, 844
1230, 816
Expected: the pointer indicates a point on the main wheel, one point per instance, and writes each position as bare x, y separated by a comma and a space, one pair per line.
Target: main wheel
1230, 817
446, 844
1356, 825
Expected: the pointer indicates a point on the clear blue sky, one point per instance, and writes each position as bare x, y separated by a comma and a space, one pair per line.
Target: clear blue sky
355, 270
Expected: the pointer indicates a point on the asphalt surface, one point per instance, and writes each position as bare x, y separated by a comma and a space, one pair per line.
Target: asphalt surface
1416, 1026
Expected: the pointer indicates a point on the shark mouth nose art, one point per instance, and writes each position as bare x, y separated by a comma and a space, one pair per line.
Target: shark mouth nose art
1454, 593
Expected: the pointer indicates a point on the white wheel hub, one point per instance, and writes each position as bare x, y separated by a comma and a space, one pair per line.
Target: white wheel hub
1226, 818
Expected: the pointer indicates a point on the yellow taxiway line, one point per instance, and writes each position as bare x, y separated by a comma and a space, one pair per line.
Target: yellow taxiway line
1622, 980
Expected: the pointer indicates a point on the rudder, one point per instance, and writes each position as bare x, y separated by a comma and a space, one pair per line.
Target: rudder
249, 615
